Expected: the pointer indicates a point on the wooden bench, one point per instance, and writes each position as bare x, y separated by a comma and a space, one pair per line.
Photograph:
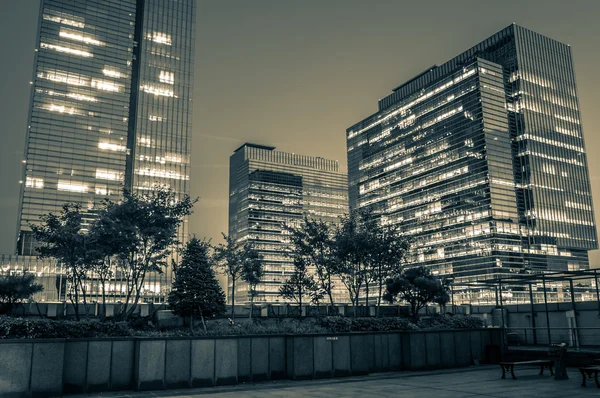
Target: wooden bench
589, 373
510, 366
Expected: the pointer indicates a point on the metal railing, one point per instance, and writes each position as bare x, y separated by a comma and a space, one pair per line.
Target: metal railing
574, 337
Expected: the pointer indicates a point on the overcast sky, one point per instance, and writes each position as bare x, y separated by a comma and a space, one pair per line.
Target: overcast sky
296, 74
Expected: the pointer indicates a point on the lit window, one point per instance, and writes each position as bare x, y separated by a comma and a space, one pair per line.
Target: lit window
145, 141
62, 49
63, 18
173, 158
81, 97
111, 147
166, 77
101, 189
66, 185
157, 90
111, 72
162, 174
65, 77
160, 38
105, 174
105, 85
154, 118
79, 37
61, 109
31, 182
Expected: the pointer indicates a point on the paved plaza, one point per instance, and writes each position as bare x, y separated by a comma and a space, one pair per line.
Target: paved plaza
483, 381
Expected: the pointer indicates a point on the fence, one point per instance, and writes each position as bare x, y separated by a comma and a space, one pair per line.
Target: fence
54, 367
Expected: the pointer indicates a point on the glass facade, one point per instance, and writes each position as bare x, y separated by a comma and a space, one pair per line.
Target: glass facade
110, 106
269, 189
482, 161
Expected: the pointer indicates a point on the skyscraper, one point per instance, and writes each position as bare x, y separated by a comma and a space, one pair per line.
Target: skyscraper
482, 161
110, 107
110, 104
268, 190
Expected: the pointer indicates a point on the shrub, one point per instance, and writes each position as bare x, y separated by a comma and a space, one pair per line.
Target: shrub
24, 328
344, 325
447, 322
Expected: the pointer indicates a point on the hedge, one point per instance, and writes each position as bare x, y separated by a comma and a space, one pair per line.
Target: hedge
22, 328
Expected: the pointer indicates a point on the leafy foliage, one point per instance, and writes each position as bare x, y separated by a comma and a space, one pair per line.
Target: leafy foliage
25, 328
417, 286
141, 232
312, 246
62, 237
448, 322
351, 250
252, 270
301, 284
196, 291
344, 325
16, 289
229, 258
387, 250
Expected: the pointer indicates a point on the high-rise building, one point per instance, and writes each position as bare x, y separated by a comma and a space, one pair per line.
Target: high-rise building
482, 161
110, 105
268, 190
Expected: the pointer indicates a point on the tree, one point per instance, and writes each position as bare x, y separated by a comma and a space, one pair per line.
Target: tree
350, 249
312, 243
196, 291
252, 271
100, 253
15, 289
140, 231
63, 238
228, 257
417, 286
387, 253
300, 284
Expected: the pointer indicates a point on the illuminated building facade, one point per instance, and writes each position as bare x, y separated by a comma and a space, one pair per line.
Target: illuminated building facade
482, 161
269, 189
110, 106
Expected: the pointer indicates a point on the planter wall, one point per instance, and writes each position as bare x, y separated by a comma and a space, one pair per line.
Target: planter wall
38, 368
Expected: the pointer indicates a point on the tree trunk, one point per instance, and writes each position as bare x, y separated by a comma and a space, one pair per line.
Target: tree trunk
251, 303
367, 298
379, 297
84, 298
137, 294
103, 314
300, 301
330, 295
233, 301
192, 321
356, 302
74, 283
203, 322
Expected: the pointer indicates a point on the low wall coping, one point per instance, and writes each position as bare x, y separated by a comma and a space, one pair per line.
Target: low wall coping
174, 338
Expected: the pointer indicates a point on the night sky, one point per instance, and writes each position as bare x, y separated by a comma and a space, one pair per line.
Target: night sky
296, 74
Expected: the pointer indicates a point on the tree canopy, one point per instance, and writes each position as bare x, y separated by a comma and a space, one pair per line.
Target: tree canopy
16, 289
196, 292
418, 287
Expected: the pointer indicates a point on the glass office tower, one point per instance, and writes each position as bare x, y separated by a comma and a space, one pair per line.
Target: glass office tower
110, 105
269, 189
482, 161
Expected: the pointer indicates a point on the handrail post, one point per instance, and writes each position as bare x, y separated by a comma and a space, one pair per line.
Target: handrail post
546, 305
575, 332
533, 325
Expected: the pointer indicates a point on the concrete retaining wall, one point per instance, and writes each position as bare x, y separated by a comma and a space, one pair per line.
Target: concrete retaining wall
38, 368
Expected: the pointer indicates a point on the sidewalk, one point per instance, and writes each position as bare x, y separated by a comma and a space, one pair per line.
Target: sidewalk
483, 381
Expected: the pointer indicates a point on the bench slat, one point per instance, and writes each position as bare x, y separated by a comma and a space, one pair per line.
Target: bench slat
539, 362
